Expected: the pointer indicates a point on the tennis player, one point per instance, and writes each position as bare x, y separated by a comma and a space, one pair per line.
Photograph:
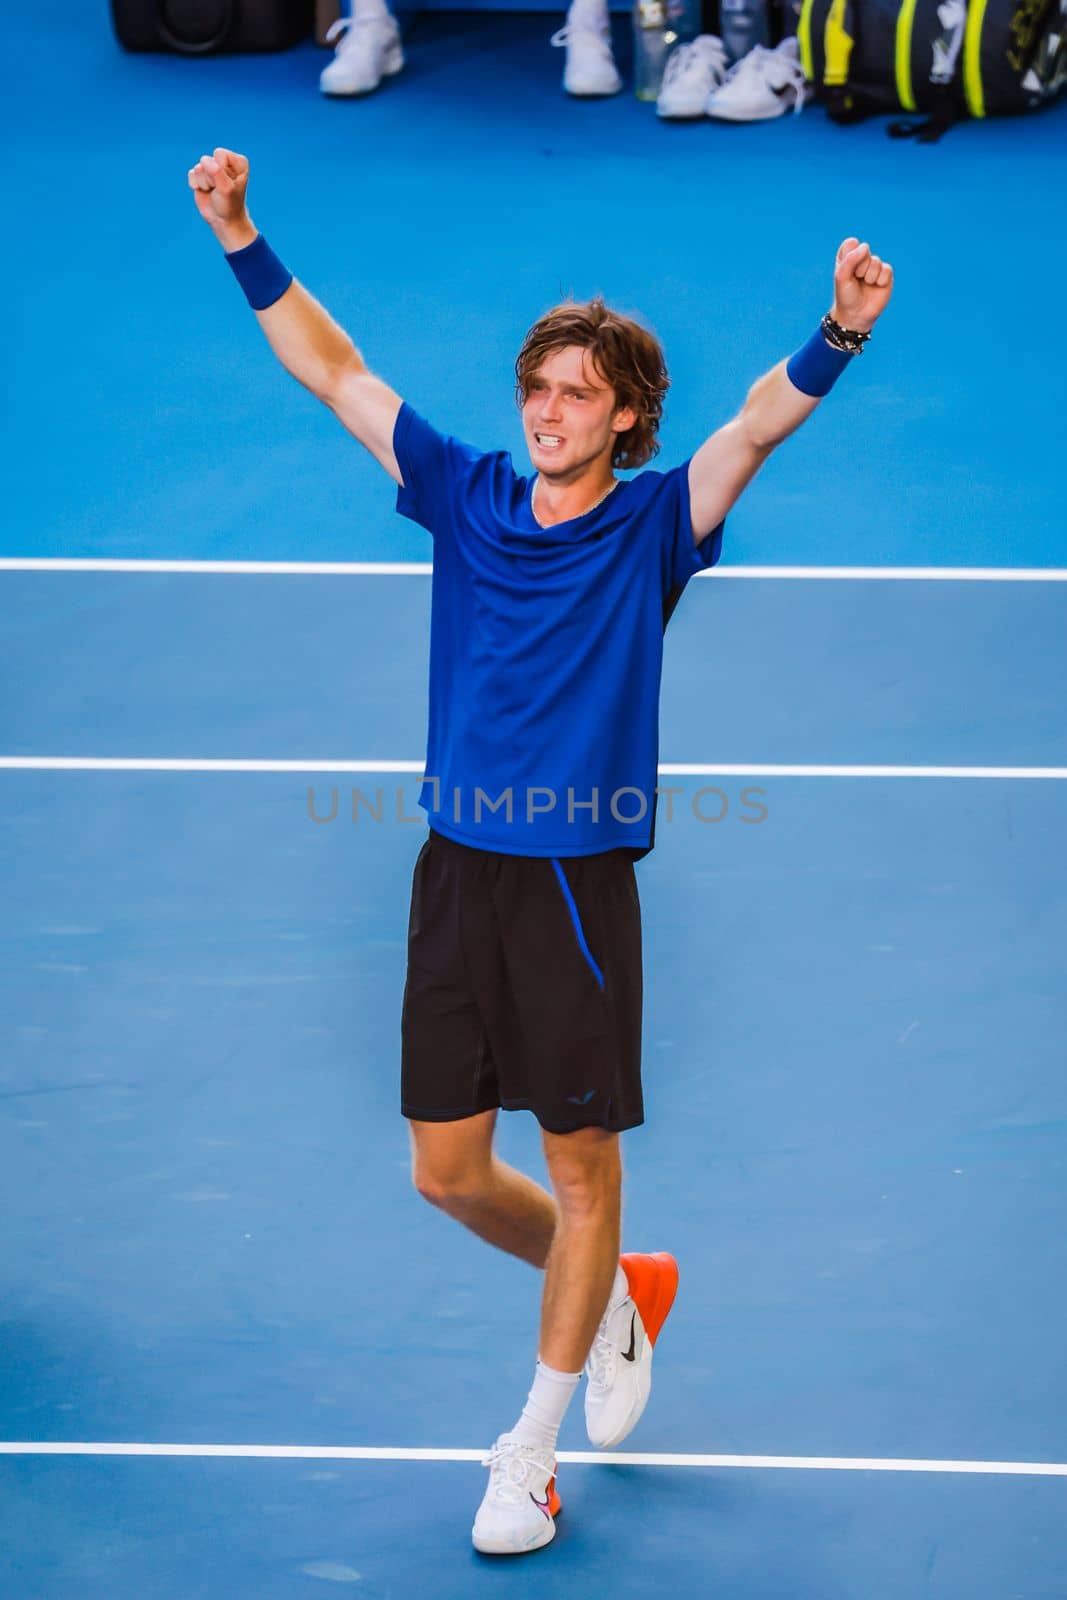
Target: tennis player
550, 597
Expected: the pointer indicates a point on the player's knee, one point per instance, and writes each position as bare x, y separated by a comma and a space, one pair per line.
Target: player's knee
585, 1197
586, 1180
449, 1185
451, 1163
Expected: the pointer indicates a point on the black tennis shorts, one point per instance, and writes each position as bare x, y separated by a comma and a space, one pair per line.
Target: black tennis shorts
523, 988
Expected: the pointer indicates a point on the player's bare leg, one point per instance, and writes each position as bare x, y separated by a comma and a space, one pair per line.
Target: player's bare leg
455, 1168
520, 1505
585, 1169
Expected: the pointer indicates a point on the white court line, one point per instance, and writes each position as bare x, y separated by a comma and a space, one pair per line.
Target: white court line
418, 569
300, 1452
666, 769
279, 569
191, 764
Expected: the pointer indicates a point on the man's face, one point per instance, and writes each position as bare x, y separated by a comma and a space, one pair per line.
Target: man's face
570, 417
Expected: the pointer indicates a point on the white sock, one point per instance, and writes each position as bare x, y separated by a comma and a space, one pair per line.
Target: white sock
370, 8
545, 1407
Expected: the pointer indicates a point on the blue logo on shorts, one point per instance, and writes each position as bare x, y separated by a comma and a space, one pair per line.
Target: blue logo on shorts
581, 1099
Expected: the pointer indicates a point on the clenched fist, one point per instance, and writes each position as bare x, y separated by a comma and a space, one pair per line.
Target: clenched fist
219, 183
862, 286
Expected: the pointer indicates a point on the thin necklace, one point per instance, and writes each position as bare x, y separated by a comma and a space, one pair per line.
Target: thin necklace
614, 484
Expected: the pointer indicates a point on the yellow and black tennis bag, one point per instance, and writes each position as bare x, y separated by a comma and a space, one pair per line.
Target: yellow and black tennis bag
947, 58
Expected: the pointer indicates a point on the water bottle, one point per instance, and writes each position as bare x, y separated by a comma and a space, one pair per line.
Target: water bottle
660, 25
742, 24
650, 47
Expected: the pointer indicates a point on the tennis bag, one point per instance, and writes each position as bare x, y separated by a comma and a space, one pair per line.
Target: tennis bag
948, 58
209, 27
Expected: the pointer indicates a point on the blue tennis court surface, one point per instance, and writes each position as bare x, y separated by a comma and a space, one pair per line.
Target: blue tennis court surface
437, 220
855, 1000
218, 1528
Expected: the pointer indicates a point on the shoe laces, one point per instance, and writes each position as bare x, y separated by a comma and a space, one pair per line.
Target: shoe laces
510, 1464
750, 65
600, 1365
342, 30
587, 23
756, 64
704, 54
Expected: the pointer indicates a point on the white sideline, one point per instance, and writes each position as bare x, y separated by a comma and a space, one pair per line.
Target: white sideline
299, 1452
416, 569
666, 769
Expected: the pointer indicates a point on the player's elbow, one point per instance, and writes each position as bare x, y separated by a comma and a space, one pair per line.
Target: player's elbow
760, 428
339, 382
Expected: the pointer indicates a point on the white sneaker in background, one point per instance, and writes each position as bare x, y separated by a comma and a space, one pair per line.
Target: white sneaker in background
518, 1511
765, 83
693, 72
368, 50
590, 66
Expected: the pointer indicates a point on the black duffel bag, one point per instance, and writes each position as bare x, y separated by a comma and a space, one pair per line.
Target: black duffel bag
948, 59
210, 27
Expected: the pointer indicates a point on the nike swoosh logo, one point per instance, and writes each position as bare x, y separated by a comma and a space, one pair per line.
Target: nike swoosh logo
581, 1099
629, 1355
542, 1505
781, 89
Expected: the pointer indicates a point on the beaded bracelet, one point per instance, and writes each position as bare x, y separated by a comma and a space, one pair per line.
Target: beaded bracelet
816, 366
847, 339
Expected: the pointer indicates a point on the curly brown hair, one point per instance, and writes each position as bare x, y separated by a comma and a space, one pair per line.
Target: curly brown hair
626, 355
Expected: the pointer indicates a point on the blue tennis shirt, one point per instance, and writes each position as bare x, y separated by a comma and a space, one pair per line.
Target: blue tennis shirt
546, 649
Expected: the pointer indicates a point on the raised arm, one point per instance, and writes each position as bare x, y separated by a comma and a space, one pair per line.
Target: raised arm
302, 334
775, 406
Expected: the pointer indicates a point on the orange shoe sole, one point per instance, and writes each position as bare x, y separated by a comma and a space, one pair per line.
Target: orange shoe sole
653, 1281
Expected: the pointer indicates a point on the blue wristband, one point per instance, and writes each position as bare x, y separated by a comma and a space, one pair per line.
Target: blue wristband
816, 366
259, 272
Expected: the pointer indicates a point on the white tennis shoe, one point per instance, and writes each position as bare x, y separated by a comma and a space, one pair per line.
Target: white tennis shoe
590, 67
763, 84
620, 1362
694, 71
368, 49
518, 1511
